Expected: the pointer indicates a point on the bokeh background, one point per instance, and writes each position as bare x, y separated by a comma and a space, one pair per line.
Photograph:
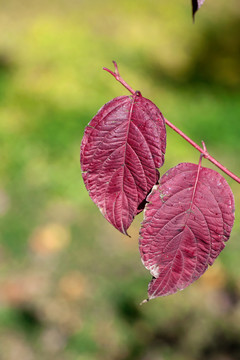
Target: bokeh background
70, 284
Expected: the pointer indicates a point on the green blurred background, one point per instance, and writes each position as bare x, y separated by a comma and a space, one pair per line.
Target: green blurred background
70, 284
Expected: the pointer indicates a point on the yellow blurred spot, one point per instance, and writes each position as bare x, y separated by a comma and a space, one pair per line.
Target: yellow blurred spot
214, 278
50, 239
73, 286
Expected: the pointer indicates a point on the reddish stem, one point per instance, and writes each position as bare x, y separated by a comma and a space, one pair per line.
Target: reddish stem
203, 151
118, 77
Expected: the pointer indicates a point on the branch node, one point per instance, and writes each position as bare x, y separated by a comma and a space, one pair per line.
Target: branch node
116, 68
205, 153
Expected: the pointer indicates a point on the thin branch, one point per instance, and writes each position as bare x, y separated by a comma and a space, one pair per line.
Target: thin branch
203, 151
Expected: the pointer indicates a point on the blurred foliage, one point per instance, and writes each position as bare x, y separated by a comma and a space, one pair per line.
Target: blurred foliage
70, 285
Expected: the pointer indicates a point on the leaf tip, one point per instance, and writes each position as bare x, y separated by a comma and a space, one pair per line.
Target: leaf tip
144, 301
124, 232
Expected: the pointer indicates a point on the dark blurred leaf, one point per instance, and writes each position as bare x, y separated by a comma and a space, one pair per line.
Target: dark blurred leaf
196, 4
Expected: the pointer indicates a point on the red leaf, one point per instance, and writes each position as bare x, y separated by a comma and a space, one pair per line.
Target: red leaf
121, 149
187, 221
196, 4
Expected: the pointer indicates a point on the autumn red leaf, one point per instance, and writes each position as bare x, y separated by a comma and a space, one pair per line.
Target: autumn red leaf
196, 4
188, 219
122, 148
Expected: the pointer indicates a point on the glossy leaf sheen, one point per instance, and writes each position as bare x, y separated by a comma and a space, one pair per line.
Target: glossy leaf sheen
186, 224
196, 4
122, 147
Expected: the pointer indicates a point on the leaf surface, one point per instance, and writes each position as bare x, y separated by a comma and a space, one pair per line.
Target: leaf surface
196, 4
122, 147
187, 221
